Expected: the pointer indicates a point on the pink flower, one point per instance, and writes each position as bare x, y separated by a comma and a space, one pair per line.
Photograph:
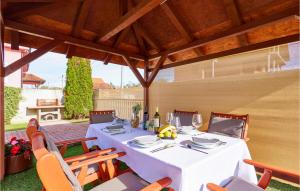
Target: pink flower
14, 142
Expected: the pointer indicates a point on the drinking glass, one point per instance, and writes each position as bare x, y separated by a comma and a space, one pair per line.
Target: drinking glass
176, 122
170, 117
197, 121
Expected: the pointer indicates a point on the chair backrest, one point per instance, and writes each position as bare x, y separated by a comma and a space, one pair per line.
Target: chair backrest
229, 124
40, 150
38, 144
33, 122
185, 117
32, 127
101, 116
51, 174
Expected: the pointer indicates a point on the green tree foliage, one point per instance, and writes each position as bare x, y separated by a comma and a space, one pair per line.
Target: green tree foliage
12, 97
79, 88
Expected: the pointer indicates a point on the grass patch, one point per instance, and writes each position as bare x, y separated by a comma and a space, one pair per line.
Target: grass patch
29, 180
15, 127
79, 120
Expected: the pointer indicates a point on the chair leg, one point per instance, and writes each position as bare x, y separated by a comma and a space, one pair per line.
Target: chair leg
265, 179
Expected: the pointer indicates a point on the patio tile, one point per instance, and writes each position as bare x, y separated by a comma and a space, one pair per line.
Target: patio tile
57, 132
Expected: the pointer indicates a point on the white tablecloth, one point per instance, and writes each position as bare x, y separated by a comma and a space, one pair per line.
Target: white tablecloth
189, 170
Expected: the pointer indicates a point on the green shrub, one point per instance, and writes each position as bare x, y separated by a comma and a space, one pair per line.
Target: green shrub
79, 88
12, 97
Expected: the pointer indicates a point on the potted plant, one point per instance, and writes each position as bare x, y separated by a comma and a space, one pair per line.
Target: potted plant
17, 156
135, 115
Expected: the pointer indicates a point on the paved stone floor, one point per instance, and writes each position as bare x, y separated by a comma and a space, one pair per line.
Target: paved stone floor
56, 131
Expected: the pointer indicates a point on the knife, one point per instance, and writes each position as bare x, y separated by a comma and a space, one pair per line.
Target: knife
191, 147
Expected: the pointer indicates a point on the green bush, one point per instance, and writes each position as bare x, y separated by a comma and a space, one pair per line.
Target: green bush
79, 88
12, 97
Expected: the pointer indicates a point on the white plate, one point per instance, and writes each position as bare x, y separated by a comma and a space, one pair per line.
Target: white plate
205, 141
209, 146
147, 139
134, 143
114, 131
189, 130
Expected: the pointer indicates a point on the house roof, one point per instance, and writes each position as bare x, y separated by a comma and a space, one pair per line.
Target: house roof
183, 31
32, 79
98, 83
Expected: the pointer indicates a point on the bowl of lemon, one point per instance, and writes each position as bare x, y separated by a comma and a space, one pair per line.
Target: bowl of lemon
167, 132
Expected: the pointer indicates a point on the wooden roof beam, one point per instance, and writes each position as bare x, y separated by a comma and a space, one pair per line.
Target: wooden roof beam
35, 31
14, 40
122, 10
80, 20
133, 15
34, 9
30, 1
135, 71
180, 26
288, 14
252, 47
234, 14
149, 39
31, 56
117, 42
155, 71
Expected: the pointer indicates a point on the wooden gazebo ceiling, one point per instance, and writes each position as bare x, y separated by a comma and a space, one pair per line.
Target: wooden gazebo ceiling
184, 31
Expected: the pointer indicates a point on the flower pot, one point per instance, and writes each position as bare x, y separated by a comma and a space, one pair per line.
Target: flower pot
135, 121
18, 163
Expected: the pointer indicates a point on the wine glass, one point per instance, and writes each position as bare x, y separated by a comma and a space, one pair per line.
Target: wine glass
197, 121
170, 117
176, 122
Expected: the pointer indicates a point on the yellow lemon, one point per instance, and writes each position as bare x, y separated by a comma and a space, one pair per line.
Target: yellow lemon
168, 134
174, 135
161, 135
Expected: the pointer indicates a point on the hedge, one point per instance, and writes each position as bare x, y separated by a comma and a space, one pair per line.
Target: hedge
79, 88
12, 97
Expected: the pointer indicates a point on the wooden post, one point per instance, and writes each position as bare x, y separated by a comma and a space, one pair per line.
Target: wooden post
2, 138
146, 88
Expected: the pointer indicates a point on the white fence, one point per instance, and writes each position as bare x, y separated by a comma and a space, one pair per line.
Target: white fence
122, 106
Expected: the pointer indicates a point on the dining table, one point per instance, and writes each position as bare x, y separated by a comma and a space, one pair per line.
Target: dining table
189, 169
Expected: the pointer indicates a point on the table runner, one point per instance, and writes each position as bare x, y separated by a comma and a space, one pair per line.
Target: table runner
189, 170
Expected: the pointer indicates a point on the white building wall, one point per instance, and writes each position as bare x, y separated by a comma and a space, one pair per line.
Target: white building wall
14, 79
29, 97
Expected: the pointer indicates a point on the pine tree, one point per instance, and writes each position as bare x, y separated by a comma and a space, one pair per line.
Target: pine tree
79, 88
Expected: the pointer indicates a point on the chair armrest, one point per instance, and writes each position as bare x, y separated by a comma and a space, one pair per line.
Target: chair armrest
276, 172
88, 155
214, 187
246, 139
95, 160
72, 141
158, 185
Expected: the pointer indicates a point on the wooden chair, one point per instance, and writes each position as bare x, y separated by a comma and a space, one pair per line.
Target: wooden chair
229, 124
185, 116
32, 127
85, 174
101, 116
56, 175
237, 184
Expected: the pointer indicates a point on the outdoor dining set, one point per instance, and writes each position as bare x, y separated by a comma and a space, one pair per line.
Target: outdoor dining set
216, 160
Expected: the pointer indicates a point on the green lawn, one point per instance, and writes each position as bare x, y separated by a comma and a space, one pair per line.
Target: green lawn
15, 127
29, 181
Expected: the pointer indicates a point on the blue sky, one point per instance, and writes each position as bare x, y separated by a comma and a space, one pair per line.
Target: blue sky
52, 67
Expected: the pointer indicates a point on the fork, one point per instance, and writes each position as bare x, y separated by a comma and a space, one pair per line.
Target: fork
162, 148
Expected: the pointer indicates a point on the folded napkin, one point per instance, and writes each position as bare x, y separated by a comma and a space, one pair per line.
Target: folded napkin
114, 127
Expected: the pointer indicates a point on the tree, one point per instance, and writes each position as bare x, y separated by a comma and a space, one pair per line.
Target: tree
79, 88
